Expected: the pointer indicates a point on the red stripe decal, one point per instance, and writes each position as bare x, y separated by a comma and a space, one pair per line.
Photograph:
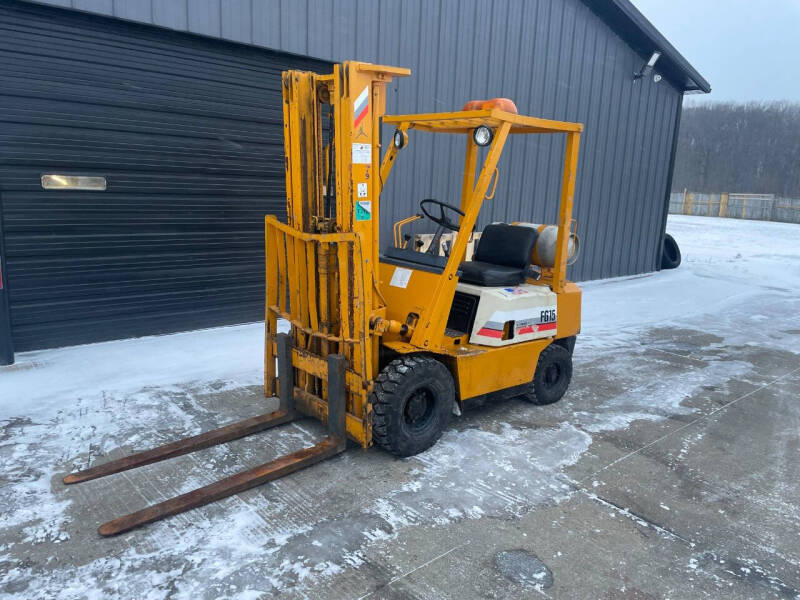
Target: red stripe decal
524, 330
547, 326
490, 332
360, 116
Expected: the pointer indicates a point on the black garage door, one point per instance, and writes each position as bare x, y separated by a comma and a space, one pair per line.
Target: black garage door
187, 132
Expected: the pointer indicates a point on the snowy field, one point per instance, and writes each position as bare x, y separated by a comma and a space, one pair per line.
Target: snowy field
321, 530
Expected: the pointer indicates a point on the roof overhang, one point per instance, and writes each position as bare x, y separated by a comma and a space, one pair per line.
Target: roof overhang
633, 27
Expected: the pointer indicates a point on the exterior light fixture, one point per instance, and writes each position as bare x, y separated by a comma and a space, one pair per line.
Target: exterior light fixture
73, 182
482, 135
648, 66
399, 139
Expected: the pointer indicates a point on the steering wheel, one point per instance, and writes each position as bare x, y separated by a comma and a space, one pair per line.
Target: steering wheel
442, 219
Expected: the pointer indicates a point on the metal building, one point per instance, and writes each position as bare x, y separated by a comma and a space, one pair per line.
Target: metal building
175, 107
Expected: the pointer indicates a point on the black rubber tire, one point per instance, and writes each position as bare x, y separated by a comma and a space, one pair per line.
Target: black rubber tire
552, 376
567, 343
670, 253
411, 404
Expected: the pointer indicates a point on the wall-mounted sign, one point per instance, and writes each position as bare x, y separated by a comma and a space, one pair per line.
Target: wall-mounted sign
73, 182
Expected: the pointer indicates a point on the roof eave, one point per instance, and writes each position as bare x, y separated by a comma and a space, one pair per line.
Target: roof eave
632, 26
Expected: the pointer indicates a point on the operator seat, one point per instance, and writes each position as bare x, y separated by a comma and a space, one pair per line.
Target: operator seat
502, 257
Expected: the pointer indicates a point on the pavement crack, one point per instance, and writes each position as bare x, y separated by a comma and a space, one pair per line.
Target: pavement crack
690, 423
675, 354
639, 519
414, 570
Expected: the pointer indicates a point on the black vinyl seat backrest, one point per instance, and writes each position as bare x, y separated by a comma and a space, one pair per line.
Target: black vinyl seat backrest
506, 245
502, 257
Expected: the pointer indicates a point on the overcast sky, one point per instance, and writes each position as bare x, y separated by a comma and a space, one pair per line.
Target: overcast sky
746, 49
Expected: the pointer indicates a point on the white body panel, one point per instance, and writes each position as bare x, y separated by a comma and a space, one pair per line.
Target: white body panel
509, 315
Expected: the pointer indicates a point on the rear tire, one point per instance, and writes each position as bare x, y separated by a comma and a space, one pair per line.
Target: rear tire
552, 376
411, 404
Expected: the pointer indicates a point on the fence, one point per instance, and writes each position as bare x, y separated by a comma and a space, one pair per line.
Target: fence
761, 207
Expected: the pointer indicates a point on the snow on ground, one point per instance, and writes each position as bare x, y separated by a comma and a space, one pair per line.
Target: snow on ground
725, 263
58, 408
41, 378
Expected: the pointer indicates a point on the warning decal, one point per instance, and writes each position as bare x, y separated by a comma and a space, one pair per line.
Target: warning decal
361, 107
362, 154
401, 277
363, 210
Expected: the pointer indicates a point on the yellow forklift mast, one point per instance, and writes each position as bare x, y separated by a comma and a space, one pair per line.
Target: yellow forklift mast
384, 346
322, 265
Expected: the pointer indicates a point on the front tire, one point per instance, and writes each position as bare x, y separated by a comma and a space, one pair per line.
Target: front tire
411, 404
552, 376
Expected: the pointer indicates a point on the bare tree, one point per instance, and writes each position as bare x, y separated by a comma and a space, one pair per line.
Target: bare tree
739, 147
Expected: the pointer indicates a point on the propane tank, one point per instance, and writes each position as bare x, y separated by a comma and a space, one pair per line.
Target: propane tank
544, 252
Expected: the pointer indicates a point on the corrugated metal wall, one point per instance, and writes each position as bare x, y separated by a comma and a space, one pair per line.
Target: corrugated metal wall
555, 58
189, 134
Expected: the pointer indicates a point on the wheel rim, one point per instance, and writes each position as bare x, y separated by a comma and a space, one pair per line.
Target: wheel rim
552, 375
418, 409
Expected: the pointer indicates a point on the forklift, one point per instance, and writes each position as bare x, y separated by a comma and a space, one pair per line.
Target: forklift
384, 347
